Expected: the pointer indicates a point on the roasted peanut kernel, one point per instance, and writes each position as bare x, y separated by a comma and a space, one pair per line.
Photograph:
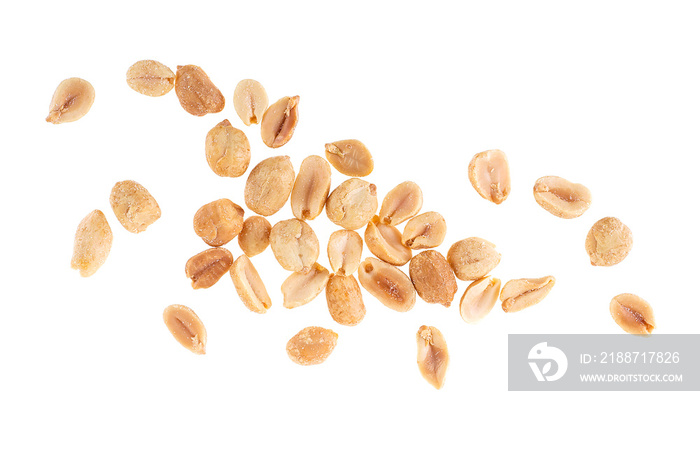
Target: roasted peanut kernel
350, 157
433, 357
633, 314
473, 258
269, 185
93, 240
278, 122
311, 346
218, 222
608, 242
196, 92
433, 278
227, 150
384, 241
207, 267
301, 288
254, 238
134, 206
401, 203
249, 285
490, 176
311, 188
426, 230
150, 78
344, 300
72, 99
250, 101
345, 251
186, 327
388, 284
479, 298
294, 245
519, 294
352, 204
562, 198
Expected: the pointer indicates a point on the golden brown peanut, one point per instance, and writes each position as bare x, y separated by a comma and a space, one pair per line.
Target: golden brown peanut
350, 157
301, 288
254, 238
401, 203
250, 101
269, 185
479, 298
150, 78
311, 345
294, 245
473, 258
490, 176
186, 327
227, 150
207, 267
279, 120
433, 357
72, 99
196, 92
345, 251
608, 242
384, 241
562, 198
218, 222
388, 284
344, 300
426, 230
311, 188
433, 278
93, 240
134, 206
633, 314
249, 285
519, 294
352, 204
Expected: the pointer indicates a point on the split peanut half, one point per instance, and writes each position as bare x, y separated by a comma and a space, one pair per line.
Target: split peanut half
186, 327
433, 358
562, 198
384, 241
479, 298
269, 185
345, 251
279, 121
134, 206
401, 203
301, 288
227, 150
388, 284
254, 237
473, 258
249, 285
426, 230
608, 242
350, 157
250, 101
490, 175
72, 99
519, 294
197, 93
633, 314
352, 204
311, 188
218, 222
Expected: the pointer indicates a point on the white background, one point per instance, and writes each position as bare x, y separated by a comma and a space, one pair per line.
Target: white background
602, 93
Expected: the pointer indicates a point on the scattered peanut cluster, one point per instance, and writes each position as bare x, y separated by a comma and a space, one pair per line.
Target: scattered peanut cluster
352, 205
